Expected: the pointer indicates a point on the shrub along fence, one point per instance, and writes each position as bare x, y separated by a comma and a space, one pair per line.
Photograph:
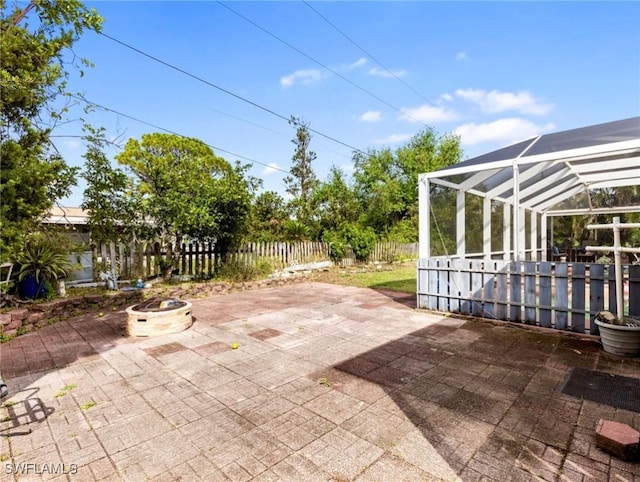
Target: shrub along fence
200, 259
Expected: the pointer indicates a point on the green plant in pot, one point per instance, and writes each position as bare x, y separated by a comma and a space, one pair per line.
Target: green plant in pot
41, 261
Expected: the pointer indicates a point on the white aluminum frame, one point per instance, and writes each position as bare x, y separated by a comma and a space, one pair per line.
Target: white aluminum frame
599, 166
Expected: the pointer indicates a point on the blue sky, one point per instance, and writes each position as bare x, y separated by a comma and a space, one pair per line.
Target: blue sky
494, 73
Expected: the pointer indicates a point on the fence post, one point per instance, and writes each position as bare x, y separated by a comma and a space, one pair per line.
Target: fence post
562, 296
545, 294
516, 308
596, 294
577, 297
634, 290
529, 292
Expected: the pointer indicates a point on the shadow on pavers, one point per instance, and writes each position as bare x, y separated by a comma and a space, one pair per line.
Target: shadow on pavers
76, 339
484, 396
22, 414
406, 299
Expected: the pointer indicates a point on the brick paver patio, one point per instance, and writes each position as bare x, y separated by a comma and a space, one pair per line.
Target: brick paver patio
328, 383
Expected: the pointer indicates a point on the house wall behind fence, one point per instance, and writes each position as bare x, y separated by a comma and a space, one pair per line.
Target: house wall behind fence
554, 295
200, 259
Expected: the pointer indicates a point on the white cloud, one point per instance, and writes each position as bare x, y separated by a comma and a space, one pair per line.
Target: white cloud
508, 131
394, 139
73, 144
386, 73
495, 101
270, 169
428, 113
371, 116
304, 76
348, 168
462, 56
446, 97
358, 63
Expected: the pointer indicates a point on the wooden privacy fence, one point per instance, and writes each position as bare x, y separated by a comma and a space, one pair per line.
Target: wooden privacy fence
200, 259
564, 296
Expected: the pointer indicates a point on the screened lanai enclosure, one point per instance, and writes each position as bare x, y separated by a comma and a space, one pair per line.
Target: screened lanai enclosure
487, 245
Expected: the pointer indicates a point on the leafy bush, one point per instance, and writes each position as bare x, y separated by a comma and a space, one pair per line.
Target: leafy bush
362, 240
337, 245
243, 271
404, 231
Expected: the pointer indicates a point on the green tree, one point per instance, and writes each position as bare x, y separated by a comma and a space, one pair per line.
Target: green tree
302, 182
378, 187
425, 152
335, 202
107, 198
33, 43
268, 217
187, 191
386, 182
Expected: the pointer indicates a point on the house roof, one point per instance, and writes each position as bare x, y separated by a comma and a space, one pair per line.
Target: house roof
66, 215
555, 173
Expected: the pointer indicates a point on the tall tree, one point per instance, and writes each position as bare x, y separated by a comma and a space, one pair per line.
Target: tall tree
386, 182
111, 204
303, 181
335, 202
33, 43
378, 186
187, 190
268, 217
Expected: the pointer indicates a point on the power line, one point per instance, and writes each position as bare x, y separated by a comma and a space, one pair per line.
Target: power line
219, 149
296, 49
228, 92
247, 121
266, 128
392, 73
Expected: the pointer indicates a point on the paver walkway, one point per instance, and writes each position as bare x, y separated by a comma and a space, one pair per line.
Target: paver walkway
328, 383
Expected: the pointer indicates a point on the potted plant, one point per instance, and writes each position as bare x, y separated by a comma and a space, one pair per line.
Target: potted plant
619, 336
41, 260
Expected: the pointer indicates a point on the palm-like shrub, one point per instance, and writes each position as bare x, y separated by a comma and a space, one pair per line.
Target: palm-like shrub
42, 259
296, 231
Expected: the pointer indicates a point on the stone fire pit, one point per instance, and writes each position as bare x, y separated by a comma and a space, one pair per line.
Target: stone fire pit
158, 316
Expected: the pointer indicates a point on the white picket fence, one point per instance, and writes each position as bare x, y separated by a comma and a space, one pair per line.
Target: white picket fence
200, 259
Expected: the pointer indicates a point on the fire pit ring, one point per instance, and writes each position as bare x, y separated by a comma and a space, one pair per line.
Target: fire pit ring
158, 316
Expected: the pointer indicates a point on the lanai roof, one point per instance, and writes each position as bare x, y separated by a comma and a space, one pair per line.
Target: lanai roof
554, 173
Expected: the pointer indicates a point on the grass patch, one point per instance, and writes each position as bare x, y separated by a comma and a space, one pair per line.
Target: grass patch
64, 390
401, 278
88, 405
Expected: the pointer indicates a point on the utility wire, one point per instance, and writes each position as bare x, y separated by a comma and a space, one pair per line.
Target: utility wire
392, 73
267, 128
337, 74
247, 121
228, 92
219, 149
